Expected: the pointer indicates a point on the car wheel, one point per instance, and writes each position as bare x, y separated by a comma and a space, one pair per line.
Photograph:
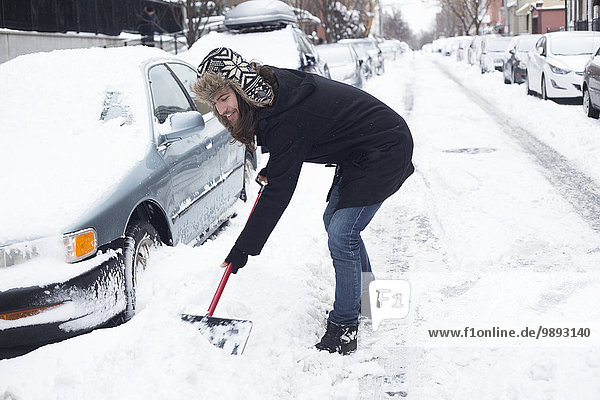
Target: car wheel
140, 238
588, 107
544, 93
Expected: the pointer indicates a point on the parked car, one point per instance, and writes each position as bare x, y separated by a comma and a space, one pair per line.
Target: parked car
515, 64
556, 64
474, 50
109, 155
462, 51
391, 49
344, 64
369, 53
591, 86
493, 52
263, 31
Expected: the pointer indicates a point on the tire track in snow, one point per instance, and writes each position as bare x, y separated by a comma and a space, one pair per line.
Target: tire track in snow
581, 191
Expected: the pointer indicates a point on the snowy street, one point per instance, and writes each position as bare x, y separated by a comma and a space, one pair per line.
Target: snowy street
497, 228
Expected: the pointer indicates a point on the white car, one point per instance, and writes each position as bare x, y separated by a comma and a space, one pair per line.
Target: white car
556, 63
492, 53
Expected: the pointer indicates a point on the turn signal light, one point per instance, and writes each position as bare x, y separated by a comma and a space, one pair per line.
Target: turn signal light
11, 316
80, 245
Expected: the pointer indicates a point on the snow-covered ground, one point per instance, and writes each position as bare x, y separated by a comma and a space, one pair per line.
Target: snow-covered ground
482, 231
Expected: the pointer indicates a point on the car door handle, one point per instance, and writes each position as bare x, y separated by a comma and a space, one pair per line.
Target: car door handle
209, 145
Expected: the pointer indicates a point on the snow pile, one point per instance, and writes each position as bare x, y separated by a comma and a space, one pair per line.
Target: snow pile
58, 157
277, 48
484, 239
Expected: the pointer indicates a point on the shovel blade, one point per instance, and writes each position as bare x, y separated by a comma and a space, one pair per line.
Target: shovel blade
228, 334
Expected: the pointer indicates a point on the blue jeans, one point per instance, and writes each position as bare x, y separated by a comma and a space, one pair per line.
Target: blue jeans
350, 258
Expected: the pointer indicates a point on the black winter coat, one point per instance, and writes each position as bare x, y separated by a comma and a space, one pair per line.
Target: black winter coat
322, 121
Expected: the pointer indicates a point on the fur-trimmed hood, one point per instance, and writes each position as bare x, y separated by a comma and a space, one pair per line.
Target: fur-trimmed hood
223, 68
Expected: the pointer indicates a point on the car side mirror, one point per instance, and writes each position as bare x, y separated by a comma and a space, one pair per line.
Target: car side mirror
310, 60
186, 120
183, 125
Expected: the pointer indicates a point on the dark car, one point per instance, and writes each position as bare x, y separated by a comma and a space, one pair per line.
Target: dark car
264, 31
515, 65
344, 64
112, 157
591, 86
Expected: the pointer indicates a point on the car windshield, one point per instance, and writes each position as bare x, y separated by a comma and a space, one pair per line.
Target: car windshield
574, 45
527, 43
498, 44
335, 54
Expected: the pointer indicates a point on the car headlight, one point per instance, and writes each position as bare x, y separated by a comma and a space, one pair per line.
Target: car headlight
80, 245
558, 70
17, 254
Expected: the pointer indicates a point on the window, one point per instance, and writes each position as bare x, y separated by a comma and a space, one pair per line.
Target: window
188, 76
167, 96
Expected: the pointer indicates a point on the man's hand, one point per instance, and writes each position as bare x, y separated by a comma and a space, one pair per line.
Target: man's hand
262, 179
236, 258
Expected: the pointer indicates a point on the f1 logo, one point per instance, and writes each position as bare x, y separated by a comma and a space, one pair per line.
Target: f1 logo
389, 300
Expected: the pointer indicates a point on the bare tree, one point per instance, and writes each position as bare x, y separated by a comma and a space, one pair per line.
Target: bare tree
446, 23
468, 14
344, 18
395, 27
196, 17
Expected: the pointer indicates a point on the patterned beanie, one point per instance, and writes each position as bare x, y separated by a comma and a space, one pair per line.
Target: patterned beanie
226, 63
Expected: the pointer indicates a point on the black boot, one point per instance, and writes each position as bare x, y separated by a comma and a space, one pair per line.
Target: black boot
339, 338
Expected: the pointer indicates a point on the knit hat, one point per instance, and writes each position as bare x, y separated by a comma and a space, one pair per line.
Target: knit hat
222, 68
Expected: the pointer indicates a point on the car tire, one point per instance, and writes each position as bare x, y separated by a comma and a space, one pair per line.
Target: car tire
543, 86
140, 238
588, 107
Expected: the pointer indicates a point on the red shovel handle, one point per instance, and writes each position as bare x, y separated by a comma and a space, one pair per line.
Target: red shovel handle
217, 296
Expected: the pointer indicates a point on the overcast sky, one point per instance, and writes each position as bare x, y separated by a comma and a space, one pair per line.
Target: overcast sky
419, 14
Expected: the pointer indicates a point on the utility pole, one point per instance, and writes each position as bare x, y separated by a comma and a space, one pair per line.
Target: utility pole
506, 27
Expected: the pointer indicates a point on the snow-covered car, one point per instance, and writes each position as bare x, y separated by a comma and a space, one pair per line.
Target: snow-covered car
474, 50
493, 50
515, 64
391, 49
370, 54
556, 63
105, 155
591, 86
264, 31
344, 64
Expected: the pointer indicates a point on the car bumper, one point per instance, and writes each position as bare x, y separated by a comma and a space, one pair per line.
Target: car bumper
38, 315
498, 64
520, 74
567, 85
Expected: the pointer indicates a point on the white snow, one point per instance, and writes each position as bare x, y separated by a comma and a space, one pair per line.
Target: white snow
277, 48
482, 236
57, 156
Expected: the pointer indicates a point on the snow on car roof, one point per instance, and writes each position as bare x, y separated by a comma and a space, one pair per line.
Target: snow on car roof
56, 138
277, 48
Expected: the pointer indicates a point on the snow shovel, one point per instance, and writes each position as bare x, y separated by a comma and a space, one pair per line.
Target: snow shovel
229, 334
